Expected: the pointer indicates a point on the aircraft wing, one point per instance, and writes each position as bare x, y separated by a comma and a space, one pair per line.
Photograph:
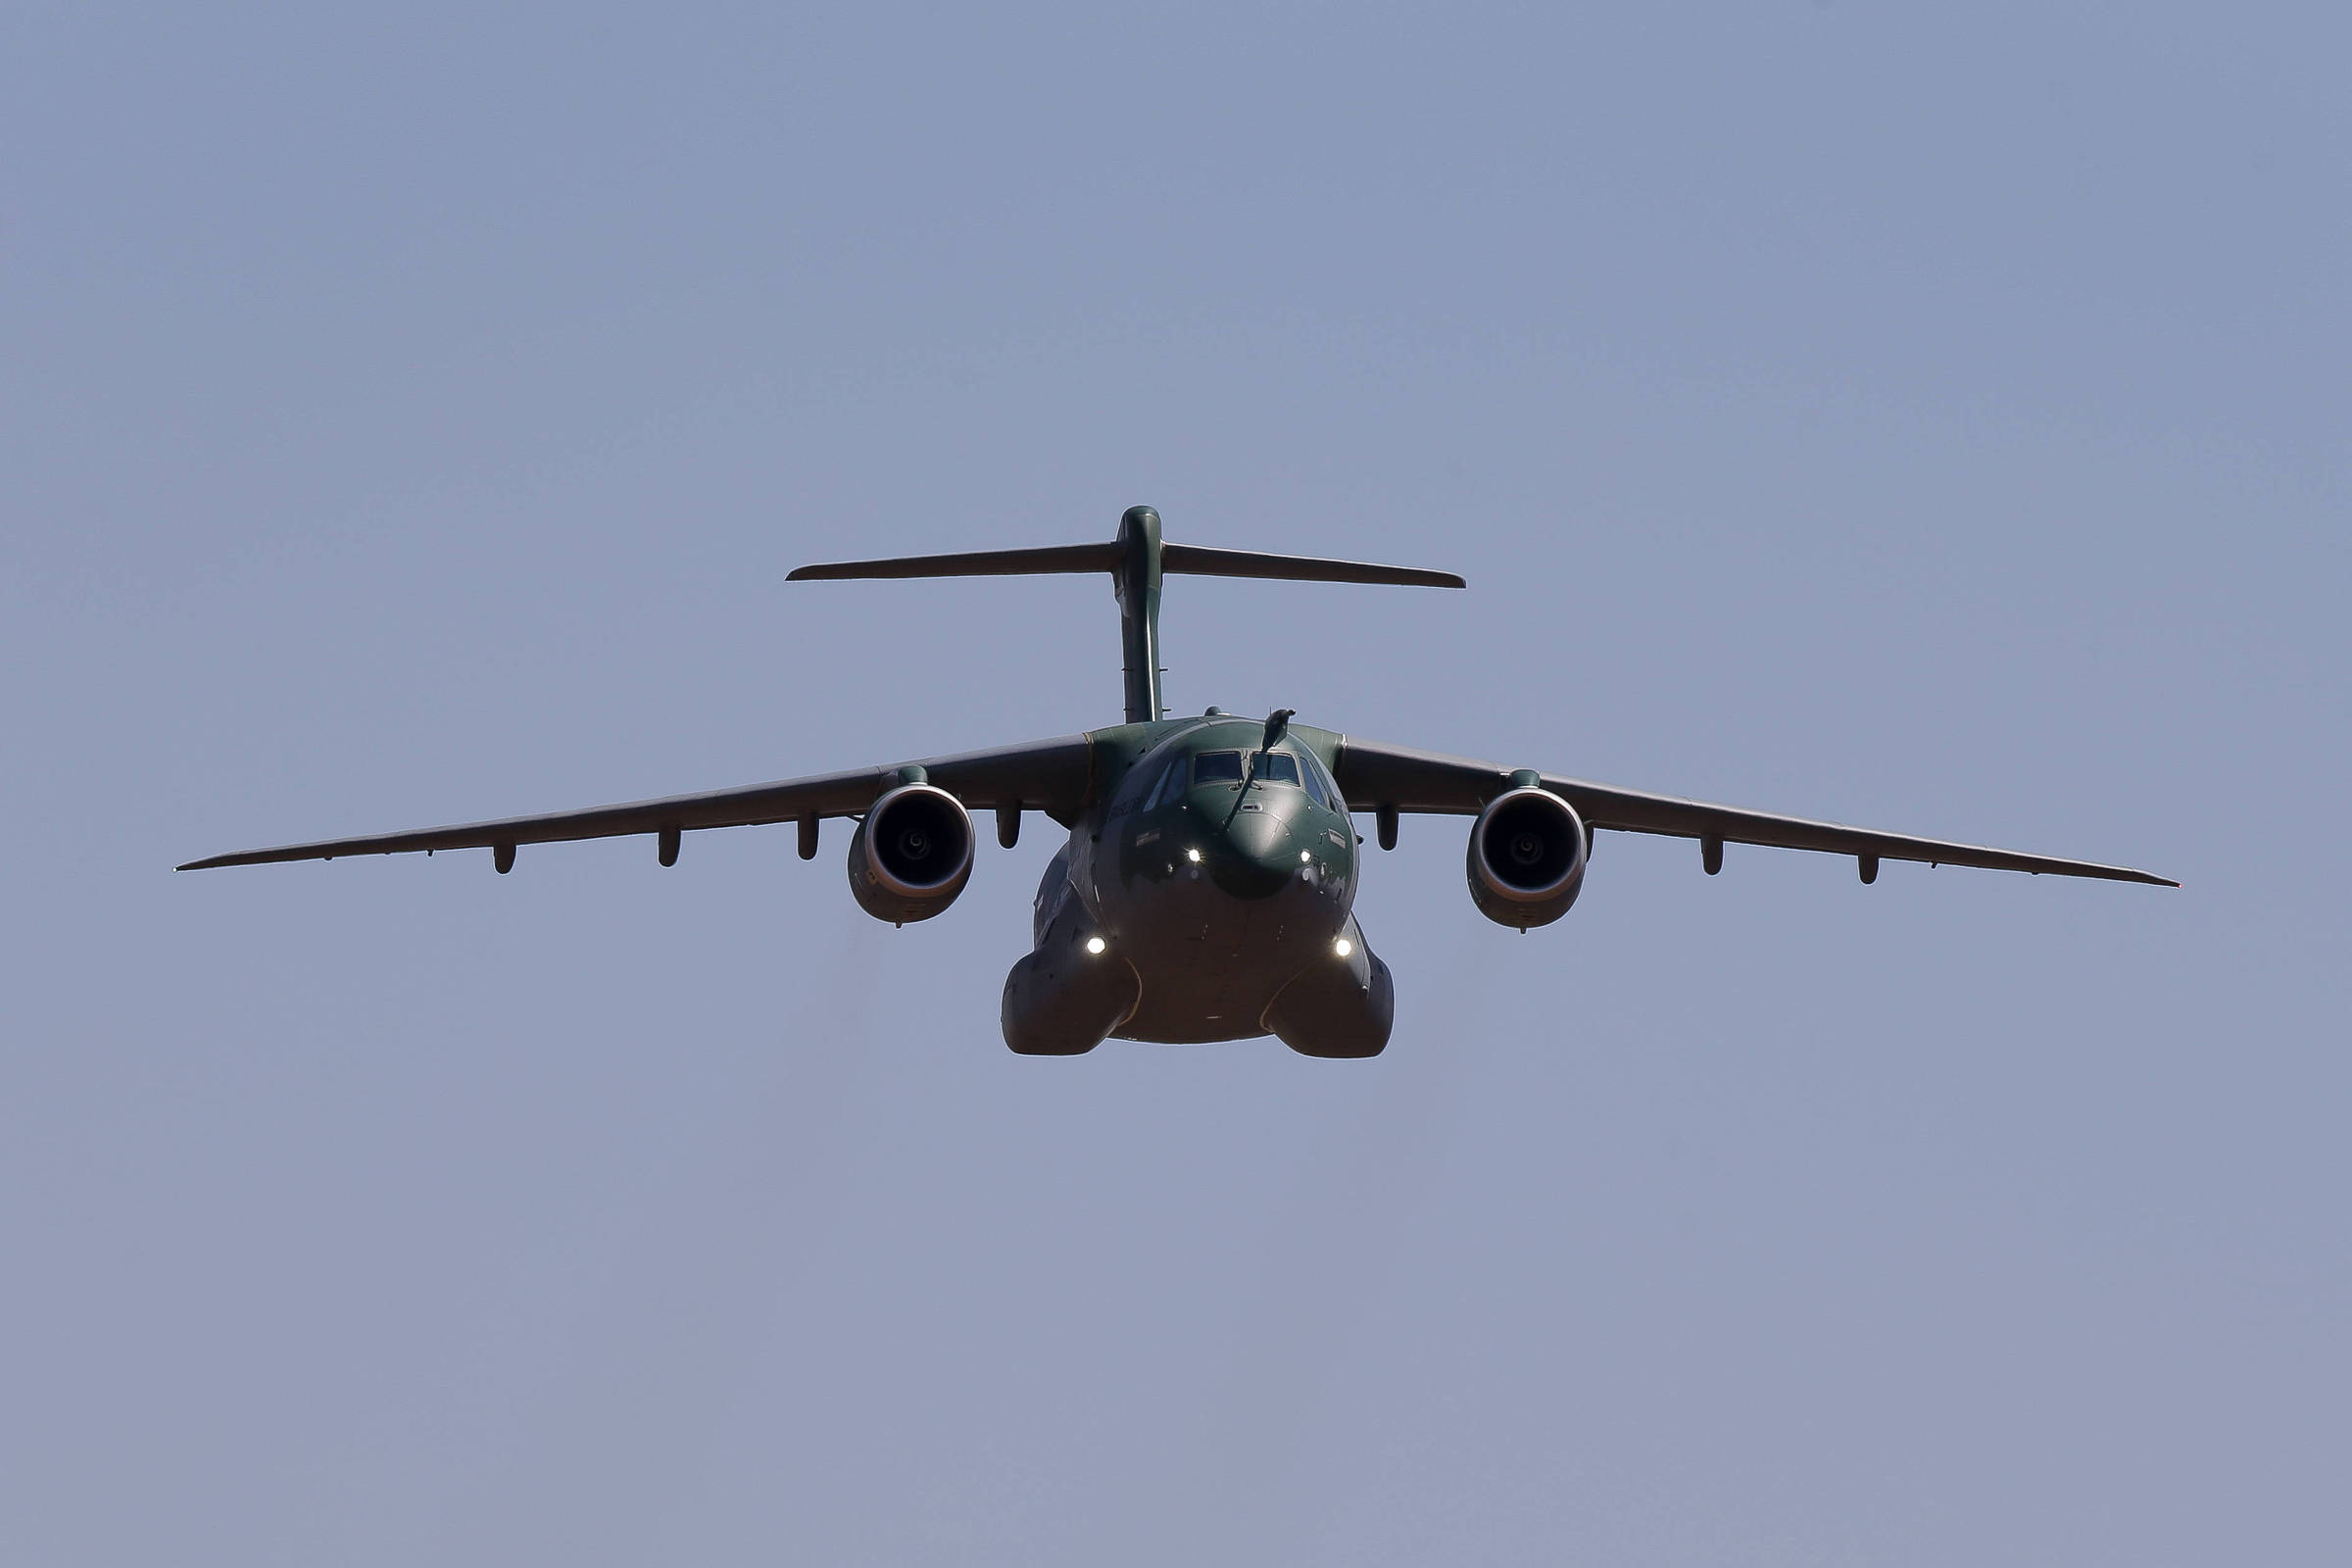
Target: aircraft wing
1406, 778
1051, 776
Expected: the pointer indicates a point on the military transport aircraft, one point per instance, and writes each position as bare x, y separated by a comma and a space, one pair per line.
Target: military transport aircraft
1208, 889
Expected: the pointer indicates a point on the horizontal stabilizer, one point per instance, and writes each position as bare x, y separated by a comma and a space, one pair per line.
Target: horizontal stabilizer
1136, 561
1201, 561
971, 564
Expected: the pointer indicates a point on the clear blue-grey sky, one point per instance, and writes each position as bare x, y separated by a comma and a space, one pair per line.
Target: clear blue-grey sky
1932, 419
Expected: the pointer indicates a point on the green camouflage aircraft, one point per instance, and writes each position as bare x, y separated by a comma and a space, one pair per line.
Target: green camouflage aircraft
1208, 889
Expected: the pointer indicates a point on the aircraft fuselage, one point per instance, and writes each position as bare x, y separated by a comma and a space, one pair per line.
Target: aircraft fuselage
1208, 894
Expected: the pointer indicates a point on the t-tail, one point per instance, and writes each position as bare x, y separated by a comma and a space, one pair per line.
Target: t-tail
1137, 559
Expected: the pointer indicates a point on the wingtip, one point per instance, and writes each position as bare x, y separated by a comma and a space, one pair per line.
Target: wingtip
214, 863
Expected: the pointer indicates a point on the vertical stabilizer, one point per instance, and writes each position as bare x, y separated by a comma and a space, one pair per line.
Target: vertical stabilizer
1138, 589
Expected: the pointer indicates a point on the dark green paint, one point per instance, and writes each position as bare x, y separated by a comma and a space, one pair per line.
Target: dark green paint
1221, 912
1139, 573
1217, 896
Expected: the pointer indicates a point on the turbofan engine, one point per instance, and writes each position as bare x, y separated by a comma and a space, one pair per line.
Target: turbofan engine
1528, 850
912, 855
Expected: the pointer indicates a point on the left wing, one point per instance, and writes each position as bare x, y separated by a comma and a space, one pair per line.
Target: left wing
1056, 777
1406, 778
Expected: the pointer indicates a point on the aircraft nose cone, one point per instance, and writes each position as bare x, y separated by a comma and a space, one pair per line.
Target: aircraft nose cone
1256, 856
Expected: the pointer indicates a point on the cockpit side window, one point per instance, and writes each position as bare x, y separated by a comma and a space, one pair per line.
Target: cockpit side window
1217, 768
1170, 785
1312, 778
1319, 779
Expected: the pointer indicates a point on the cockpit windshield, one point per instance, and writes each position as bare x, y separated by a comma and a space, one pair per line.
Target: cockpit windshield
1217, 768
1265, 767
1277, 767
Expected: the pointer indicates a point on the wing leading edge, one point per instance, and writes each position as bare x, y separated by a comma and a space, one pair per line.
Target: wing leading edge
1407, 779
1053, 776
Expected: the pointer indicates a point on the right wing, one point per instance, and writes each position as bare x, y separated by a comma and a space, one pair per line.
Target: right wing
1404, 778
1056, 777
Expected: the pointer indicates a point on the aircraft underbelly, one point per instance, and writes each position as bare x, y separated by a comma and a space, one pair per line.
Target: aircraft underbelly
1210, 989
1210, 963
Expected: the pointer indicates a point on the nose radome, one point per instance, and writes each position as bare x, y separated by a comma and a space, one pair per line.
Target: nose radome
1258, 834
1259, 854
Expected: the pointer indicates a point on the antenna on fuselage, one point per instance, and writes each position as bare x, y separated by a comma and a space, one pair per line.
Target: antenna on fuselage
1278, 722
1137, 559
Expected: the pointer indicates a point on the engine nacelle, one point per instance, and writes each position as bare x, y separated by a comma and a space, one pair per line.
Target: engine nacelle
1528, 850
912, 855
